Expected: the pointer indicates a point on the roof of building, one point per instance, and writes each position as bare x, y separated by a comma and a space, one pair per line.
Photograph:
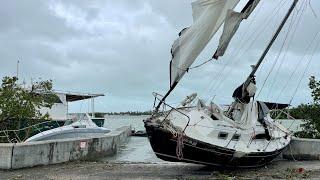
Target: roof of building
76, 96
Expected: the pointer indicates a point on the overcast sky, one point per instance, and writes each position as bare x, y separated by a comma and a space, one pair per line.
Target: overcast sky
122, 49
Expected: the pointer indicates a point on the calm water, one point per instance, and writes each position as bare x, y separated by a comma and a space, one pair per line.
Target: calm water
138, 149
116, 121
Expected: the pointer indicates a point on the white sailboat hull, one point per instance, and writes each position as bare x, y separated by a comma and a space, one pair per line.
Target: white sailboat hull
213, 140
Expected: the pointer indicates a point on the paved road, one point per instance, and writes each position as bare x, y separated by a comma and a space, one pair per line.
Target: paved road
103, 170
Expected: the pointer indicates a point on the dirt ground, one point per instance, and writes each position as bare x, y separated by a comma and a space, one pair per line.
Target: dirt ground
103, 170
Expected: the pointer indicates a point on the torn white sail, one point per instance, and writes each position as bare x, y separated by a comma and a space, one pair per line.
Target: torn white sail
208, 16
231, 25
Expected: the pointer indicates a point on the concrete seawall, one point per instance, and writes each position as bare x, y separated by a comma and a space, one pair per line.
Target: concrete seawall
302, 149
20, 155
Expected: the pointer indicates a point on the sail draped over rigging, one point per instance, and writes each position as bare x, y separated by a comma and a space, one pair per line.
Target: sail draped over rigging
231, 26
208, 16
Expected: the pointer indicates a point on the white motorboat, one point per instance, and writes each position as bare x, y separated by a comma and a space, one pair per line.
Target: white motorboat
83, 128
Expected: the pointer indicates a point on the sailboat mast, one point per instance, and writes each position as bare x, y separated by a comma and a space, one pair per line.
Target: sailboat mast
254, 70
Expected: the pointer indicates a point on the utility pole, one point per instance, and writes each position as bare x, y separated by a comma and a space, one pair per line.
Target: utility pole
17, 75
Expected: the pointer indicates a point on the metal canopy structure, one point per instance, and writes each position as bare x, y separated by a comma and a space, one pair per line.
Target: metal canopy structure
71, 97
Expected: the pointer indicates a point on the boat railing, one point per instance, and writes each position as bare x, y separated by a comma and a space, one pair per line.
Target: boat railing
158, 98
15, 135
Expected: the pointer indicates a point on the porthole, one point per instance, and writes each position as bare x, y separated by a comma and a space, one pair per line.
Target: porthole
223, 135
236, 137
213, 117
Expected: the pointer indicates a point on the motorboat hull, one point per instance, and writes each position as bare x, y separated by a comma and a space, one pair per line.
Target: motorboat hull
83, 128
69, 132
164, 144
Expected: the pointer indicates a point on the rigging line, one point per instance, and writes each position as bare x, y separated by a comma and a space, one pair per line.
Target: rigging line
306, 69
277, 56
255, 37
236, 51
308, 64
295, 68
276, 10
241, 41
233, 52
286, 51
262, 29
199, 65
298, 64
172, 65
312, 10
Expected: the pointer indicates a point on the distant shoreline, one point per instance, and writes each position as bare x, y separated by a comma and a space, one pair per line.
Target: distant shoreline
127, 114
131, 113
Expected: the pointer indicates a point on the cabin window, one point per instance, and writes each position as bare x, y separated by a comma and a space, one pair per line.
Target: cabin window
223, 135
260, 136
80, 126
214, 117
236, 137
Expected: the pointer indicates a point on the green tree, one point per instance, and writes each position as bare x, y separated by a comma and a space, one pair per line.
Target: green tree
310, 112
18, 104
314, 85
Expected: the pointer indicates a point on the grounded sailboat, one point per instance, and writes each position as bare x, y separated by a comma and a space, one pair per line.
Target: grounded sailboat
243, 136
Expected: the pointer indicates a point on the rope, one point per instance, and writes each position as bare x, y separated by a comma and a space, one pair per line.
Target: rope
170, 129
180, 139
199, 65
180, 145
252, 137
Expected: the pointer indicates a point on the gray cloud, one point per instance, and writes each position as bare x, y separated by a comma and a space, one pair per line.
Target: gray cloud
121, 48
